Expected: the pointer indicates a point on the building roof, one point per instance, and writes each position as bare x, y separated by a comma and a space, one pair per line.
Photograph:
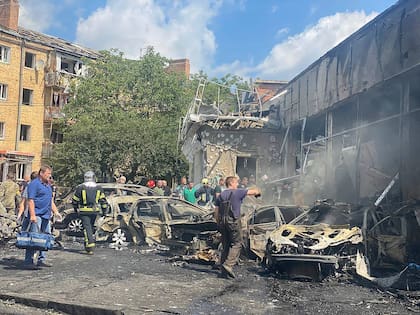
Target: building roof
55, 43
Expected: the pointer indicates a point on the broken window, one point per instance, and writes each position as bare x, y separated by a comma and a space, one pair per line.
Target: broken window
179, 209
148, 209
246, 166
24, 132
27, 97
71, 65
290, 213
56, 137
4, 54
124, 206
59, 99
3, 91
265, 216
29, 60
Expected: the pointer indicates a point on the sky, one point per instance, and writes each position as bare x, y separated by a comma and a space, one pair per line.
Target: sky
266, 39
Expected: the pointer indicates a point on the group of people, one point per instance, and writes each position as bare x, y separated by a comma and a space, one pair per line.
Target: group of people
38, 207
33, 204
160, 187
204, 195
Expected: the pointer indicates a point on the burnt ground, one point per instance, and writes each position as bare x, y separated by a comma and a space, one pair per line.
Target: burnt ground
142, 280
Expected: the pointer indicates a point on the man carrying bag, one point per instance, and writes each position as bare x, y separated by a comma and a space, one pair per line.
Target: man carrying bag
41, 206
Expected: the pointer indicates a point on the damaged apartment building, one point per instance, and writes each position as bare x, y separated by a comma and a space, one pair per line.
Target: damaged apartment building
35, 75
344, 128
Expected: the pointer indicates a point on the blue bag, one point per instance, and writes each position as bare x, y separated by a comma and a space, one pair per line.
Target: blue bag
34, 240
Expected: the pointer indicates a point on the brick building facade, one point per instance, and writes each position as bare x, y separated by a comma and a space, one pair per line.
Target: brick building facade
35, 75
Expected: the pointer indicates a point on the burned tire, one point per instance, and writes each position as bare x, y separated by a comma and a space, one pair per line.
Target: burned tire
75, 225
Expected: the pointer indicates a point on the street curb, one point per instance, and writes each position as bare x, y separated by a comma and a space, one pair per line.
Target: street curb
73, 309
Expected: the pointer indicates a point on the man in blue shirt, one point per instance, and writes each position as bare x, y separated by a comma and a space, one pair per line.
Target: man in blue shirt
40, 206
229, 221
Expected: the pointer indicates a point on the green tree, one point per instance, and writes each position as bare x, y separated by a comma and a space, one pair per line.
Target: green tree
124, 117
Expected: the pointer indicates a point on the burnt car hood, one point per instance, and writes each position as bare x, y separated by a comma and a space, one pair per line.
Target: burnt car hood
315, 237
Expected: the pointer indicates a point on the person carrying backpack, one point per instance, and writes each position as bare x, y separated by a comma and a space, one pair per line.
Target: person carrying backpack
228, 218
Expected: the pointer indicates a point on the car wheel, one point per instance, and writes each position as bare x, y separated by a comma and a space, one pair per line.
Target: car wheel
75, 225
120, 237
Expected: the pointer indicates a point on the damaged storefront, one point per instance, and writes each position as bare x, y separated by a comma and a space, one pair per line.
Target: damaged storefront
352, 117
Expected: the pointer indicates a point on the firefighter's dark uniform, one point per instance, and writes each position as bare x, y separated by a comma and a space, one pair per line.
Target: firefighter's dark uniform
88, 201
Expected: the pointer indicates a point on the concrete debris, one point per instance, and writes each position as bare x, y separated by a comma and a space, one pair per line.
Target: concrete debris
8, 227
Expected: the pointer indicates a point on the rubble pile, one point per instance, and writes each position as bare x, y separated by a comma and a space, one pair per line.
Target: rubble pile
8, 227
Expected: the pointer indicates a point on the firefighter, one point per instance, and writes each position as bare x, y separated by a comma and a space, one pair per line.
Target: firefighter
88, 201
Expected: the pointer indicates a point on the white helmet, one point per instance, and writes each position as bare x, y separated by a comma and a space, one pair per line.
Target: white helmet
89, 176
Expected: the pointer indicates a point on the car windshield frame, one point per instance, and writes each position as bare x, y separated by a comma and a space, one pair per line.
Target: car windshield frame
321, 215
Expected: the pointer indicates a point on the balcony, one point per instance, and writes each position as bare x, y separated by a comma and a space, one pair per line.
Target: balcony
53, 112
59, 79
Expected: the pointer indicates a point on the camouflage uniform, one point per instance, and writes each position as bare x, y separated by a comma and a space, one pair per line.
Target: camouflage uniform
9, 194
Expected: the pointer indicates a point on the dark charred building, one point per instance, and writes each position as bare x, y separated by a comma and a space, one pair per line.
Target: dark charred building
344, 128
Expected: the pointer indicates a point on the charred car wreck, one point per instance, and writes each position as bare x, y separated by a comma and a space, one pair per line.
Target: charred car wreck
391, 257
316, 244
156, 220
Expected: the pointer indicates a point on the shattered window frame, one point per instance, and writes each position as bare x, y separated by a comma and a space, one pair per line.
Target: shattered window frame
259, 215
183, 205
30, 60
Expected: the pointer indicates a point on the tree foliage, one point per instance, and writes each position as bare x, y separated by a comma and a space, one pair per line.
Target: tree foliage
124, 117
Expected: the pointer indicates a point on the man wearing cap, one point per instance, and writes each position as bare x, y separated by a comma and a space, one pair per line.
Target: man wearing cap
204, 193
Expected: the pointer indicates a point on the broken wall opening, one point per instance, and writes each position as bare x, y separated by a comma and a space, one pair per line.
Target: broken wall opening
246, 166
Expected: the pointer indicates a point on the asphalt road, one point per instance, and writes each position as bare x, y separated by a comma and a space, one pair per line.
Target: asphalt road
142, 280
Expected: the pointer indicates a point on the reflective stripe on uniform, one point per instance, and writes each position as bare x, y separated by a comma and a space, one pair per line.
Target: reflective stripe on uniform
98, 195
90, 209
84, 199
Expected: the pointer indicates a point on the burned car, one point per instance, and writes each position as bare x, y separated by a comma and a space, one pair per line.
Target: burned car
161, 220
391, 235
71, 221
258, 224
320, 241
